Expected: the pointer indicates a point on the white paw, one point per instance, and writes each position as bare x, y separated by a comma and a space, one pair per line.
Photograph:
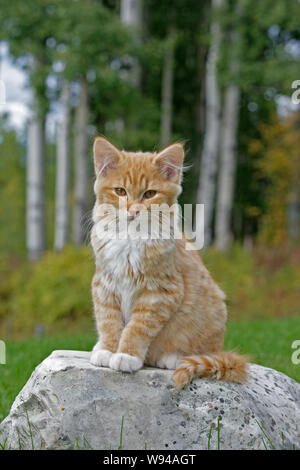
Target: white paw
100, 357
125, 362
169, 361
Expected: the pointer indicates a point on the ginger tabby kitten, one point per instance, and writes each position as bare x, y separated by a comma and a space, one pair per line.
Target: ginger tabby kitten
155, 303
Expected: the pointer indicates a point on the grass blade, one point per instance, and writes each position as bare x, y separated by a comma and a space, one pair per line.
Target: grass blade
29, 425
264, 444
209, 438
89, 445
19, 440
271, 443
3, 446
283, 437
121, 434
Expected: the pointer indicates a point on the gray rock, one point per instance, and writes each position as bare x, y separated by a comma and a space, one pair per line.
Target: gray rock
68, 402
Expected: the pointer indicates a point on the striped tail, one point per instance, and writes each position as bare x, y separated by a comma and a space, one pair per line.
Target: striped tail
227, 366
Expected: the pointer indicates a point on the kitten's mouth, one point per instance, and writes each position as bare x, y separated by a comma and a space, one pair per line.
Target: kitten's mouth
137, 216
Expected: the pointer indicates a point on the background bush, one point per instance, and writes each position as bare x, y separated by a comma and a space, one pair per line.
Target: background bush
51, 294
55, 293
262, 284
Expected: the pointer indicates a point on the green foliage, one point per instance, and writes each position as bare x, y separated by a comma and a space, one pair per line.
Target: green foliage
278, 167
12, 193
72, 39
11, 278
28, 27
256, 290
264, 28
54, 292
89, 37
235, 272
266, 66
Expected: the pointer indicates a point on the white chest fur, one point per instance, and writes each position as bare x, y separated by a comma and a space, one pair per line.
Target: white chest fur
118, 257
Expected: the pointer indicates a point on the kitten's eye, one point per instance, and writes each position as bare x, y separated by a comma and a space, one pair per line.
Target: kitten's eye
149, 194
120, 191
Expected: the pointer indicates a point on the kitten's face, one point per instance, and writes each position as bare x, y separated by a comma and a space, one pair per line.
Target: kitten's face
135, 181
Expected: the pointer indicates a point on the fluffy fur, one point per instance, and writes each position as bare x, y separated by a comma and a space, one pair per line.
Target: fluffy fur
155, 303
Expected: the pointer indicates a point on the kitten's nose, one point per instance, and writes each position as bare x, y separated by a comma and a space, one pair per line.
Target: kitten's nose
134, 210
132, 213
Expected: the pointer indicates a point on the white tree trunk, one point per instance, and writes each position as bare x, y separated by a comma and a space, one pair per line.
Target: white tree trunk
81, 164
167, 93
230, 118
132, 15
208, 167
227, 167
200, 102
131, 12
62, 171
35, 194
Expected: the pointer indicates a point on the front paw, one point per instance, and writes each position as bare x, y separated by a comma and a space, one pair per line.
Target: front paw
100, 357
125, 362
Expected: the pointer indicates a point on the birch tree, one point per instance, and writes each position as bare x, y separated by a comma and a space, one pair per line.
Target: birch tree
229, 126
27, 34
36, 158
35, 194
200, 102
89, 51
227, 167
131, 14
81, 171
62, 171
208, 167
167, 90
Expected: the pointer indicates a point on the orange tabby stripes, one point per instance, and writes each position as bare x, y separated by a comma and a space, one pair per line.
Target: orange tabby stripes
155, 303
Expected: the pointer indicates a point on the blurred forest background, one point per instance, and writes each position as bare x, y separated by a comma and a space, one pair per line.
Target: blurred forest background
217, 74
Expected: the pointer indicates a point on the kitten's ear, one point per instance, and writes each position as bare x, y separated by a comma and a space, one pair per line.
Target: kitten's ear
169, 161
106, 156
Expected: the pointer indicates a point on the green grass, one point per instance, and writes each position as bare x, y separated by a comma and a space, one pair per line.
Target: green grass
268, 342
